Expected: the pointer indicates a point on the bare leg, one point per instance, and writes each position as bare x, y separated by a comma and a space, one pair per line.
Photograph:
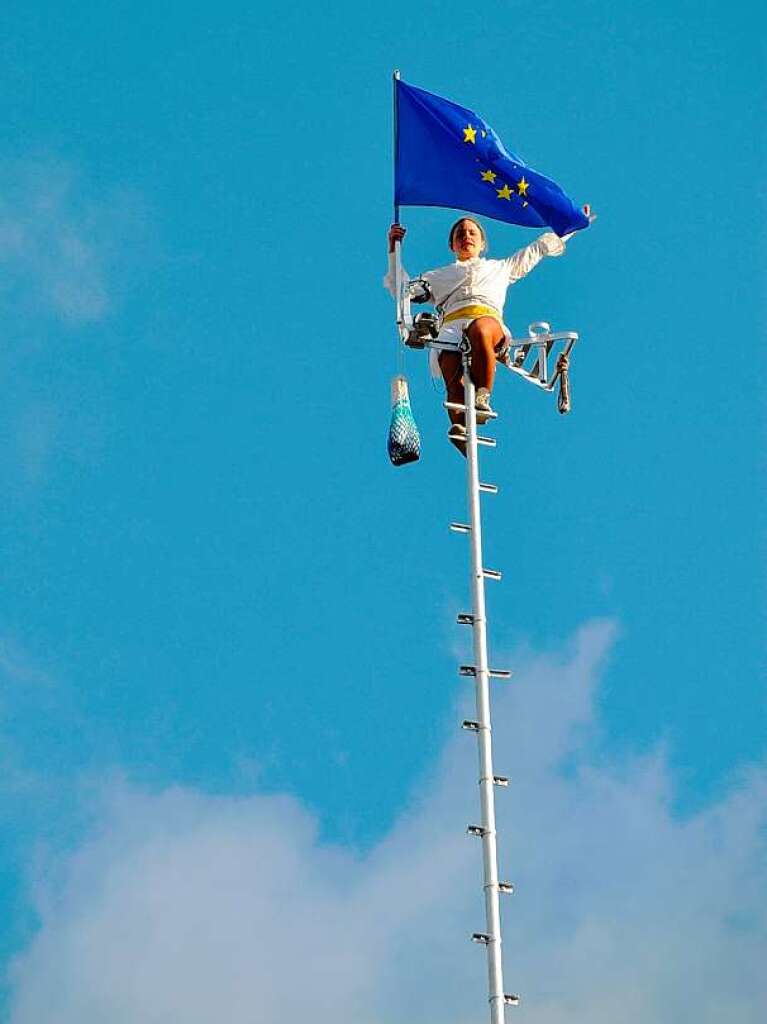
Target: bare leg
452, 372
485, 334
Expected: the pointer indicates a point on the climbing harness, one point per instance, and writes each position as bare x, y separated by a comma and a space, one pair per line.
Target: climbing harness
563, 398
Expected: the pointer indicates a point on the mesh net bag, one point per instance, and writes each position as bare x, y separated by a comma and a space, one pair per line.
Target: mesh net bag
404, 440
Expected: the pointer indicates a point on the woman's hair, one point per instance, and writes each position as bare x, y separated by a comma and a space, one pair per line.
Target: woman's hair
454, 228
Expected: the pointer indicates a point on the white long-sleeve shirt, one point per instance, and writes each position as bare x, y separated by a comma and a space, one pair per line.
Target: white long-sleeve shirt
481, 281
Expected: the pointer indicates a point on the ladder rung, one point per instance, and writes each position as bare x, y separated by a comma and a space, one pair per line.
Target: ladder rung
500, 780
494, 673
458, 407
471, 726
492, 574
460, 528
489, 488
475, 830
465, 619
506, 888
483, 938
488, 442
510, 1000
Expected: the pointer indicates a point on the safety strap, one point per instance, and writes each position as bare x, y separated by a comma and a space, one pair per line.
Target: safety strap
563, 398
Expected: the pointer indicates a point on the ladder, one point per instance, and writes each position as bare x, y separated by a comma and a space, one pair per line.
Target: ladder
482, 673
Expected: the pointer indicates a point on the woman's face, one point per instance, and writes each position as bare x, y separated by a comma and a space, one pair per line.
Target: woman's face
467, 240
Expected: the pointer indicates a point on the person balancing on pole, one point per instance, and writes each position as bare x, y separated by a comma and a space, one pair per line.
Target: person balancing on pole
446, 155
469, 296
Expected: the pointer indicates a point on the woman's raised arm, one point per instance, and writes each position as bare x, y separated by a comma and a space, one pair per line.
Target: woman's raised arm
396, 234
548, 244
522, 262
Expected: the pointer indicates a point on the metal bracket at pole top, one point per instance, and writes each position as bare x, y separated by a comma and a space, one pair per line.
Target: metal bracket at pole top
542, 358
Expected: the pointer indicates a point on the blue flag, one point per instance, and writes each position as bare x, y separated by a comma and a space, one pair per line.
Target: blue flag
447, 155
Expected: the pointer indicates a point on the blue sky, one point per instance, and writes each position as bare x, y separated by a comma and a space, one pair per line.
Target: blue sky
220, 603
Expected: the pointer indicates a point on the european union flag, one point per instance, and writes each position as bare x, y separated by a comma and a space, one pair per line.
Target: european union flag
447, 155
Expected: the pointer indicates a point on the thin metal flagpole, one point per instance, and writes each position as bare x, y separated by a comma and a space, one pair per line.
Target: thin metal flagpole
395, 100
397, 244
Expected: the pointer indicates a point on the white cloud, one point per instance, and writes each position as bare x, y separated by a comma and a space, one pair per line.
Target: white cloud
60, 244
186, 907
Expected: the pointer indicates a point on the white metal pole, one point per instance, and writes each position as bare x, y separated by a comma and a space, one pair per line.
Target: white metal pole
482, 683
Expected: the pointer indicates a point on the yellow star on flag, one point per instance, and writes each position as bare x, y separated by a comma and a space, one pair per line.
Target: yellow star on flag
504, 193
523, 186
470, 134
489, 176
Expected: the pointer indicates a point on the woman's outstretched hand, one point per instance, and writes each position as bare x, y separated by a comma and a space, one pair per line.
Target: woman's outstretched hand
396, 234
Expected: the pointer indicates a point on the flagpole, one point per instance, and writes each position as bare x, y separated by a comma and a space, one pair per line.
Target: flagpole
395, 102
397, 244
